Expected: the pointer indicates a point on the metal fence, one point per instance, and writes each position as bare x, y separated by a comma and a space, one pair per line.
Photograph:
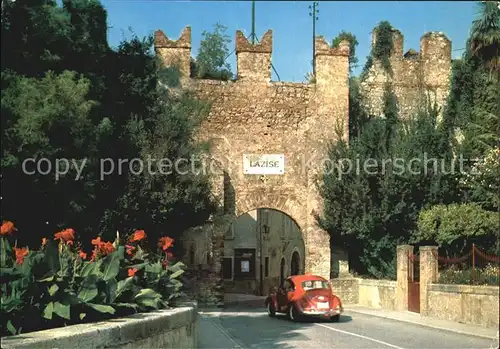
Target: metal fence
474, 268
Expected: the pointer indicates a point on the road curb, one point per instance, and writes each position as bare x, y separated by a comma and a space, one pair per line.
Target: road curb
421, 324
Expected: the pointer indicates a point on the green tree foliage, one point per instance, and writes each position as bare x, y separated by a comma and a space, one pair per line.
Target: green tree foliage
474, 105
395, 170
382, 49
212, 54
390, 112
67, 94
484, 180
455, 227
357, 114
373, 206
48, 118
353, 43
484, 41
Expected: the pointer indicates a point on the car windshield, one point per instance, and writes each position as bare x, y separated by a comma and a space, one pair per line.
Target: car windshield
311, 285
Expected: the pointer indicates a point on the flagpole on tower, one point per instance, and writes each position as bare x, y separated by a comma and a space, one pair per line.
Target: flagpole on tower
253, 36
253, 23
313, 12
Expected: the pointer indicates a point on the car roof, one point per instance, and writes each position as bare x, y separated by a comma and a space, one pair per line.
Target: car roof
307, 277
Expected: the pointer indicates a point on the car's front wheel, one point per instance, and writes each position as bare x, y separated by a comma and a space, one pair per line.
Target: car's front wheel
270, 309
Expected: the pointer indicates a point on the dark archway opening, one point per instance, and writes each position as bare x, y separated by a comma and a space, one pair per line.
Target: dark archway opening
254, 245
295, 264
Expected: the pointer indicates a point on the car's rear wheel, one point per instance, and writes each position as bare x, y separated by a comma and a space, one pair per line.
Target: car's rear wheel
270, 309
293, 314
335, 318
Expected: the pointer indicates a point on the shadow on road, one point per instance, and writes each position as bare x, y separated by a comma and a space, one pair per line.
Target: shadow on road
308, 320
254, 328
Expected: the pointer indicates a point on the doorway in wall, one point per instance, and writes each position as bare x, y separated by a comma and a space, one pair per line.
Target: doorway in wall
295, 265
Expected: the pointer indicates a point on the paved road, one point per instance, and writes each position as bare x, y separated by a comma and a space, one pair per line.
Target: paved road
254, 329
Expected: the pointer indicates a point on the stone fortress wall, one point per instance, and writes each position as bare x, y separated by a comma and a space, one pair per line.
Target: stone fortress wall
254, 115
416, 76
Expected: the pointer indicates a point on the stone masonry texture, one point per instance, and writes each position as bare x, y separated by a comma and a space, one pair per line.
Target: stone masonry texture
418, 77
254, 115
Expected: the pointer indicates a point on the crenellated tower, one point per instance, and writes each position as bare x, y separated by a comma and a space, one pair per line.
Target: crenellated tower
254, 61
435, 55
416, 77
331, 87
175, 52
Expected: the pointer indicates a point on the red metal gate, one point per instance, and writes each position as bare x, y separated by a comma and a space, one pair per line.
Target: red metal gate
413, 283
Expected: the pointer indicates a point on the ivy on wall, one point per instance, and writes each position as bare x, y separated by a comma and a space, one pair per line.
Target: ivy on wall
382, 49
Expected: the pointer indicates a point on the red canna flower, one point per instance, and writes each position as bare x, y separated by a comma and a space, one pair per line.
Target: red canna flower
44, 241
65, 235
7, 228
165, 242
130, 249
94, 255
131, 272
20, 254
106, 248
138, 236
82, 254
101, 248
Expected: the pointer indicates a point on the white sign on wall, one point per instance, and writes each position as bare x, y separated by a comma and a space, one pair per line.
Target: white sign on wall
266, 164
245, 266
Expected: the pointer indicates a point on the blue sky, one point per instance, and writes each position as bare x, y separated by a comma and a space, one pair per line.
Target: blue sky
291, 24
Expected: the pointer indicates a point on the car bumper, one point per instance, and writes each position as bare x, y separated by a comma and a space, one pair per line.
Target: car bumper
329, 312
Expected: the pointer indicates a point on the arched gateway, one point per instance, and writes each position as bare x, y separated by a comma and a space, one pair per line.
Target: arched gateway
268, 139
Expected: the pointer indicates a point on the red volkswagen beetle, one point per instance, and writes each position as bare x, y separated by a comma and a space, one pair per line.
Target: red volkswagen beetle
304, 295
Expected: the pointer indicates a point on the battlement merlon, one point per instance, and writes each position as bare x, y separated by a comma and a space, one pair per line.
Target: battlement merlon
323, 49
184, 41
435, 44
253, 62
332, 63
175, 52
397, 41
435, 56
264, 46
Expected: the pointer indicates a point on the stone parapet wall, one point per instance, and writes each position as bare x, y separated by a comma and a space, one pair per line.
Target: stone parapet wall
346, 289
478, 305
172, 328
379, 294
262, 106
